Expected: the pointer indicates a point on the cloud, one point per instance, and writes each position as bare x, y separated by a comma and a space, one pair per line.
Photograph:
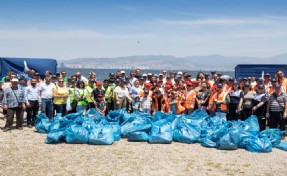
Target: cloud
65, 34
224, 21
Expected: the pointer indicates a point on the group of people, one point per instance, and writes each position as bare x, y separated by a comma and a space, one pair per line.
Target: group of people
174, 93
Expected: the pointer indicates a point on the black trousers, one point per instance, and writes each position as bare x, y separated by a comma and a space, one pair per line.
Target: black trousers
276, 118
245, 113
232, 115
32, 111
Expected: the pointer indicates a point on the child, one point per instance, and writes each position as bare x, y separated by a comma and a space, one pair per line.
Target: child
136, 104
145, 102
174, 103
100, 104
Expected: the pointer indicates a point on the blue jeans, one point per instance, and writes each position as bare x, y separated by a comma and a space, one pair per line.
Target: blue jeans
47, 107
60, 108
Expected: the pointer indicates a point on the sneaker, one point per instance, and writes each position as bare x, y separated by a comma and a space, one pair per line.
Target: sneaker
20, 128
7, 129
29, 126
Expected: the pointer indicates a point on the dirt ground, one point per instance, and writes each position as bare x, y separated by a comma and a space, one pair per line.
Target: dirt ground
23, 152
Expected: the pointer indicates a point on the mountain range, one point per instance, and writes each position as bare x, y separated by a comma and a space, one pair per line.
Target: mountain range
210, 62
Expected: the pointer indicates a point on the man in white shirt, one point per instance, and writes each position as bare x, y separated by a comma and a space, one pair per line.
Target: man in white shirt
46, 93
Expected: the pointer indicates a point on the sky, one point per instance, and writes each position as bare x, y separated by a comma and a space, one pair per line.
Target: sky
68, 29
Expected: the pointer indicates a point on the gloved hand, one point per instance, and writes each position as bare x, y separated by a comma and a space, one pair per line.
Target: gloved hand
267, 115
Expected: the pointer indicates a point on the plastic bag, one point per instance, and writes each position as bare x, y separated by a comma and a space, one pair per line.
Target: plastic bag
93, 113
135, 123
116, 130
206, 142
282, 146
160, 115
186, 133
161, 132
59, 122
43, 125
274, 135
226, 143
138, 136
77, 135
56, 136
103, 135
259, 145
68, 104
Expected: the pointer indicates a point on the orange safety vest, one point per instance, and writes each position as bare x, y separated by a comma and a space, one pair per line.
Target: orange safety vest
180, 108
228, 88
189, 101
220, 97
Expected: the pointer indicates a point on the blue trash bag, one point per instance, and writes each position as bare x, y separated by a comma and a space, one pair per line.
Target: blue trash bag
101, 135
79, 120
43, 124
160, 115
77, 134
186, 133
117, 130
206, 142
73, 116
161, 132
252, 123
56, 136
135, 123
216, 121
39, 117
259, 145
138, 136
282, 146
93, 113
119, 116
226, 143
198, 116
274, 135
89, 123
218, 133
59, 122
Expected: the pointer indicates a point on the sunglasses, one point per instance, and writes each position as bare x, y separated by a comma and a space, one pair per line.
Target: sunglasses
60, 81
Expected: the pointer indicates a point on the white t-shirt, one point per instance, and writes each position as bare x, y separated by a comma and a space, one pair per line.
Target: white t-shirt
121, 92
135, 91
47, 90
146, 102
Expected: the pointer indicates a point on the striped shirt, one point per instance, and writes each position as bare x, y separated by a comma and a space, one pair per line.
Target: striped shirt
277, 103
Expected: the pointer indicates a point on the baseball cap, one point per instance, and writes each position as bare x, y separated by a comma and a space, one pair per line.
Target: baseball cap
14, 80
146, 91
99, 83
219, 85
123, 71
144, 74
273, 80
100, 96
261, 86
147, 84
267, 74
37, 74
246, 85
189, 83
179, 73
149, 74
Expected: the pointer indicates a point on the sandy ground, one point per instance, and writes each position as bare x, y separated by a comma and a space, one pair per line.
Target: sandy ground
23, 152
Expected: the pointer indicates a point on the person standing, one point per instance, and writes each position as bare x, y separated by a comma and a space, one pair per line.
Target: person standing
60, 94
46, 94
90, 98
236, 98
276, 110
259, 106
246, 105
33, 101
13, 103
81, 94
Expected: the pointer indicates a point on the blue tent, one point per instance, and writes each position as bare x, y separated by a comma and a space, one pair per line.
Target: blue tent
17, 65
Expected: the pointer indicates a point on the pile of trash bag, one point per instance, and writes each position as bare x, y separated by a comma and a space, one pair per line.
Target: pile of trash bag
198, 127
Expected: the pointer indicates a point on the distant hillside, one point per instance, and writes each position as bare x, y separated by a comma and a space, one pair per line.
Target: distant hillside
218, 62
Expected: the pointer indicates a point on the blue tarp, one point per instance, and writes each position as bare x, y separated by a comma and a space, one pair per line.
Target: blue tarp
17, 65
